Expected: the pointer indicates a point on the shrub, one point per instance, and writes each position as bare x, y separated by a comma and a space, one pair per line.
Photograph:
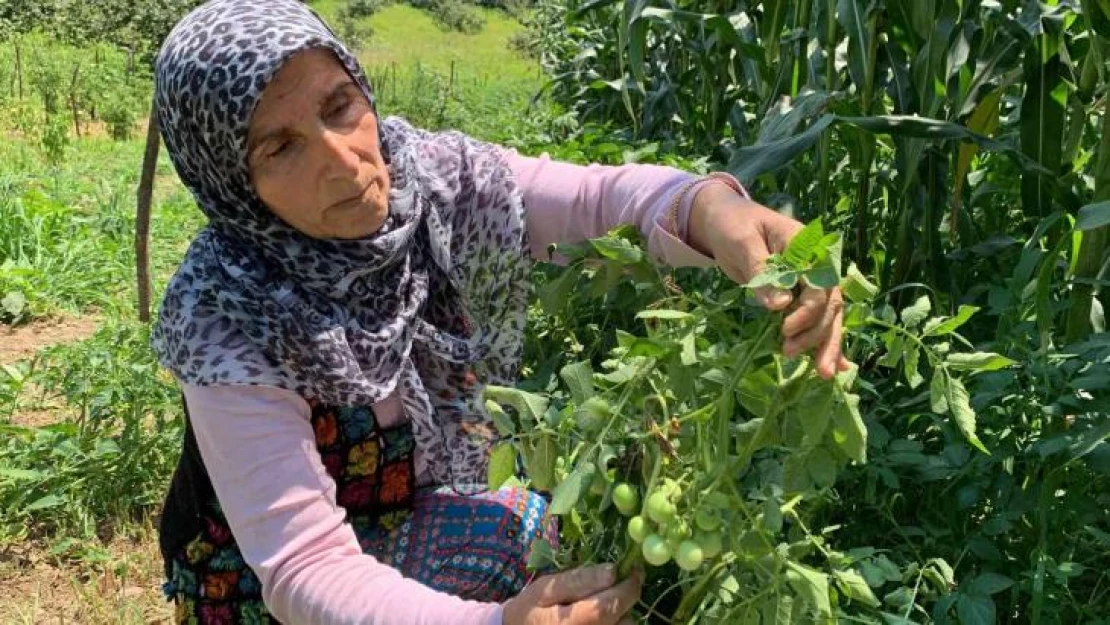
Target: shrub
455, 15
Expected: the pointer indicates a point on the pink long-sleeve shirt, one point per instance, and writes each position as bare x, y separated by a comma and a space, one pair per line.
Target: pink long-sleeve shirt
259, 448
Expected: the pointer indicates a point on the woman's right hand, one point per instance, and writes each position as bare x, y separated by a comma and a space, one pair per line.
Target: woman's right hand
583, 596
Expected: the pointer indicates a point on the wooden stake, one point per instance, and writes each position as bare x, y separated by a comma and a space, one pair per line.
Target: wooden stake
18, 70
142, 214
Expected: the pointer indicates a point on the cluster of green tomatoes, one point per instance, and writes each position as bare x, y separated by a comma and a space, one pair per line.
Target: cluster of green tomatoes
664, 532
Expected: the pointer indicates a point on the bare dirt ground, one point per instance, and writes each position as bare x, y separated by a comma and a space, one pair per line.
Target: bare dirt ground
21, 342
118, 583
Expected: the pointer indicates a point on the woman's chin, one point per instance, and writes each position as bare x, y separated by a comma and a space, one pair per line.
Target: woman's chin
361, 226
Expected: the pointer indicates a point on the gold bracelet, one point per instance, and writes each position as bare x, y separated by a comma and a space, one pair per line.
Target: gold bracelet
717, 176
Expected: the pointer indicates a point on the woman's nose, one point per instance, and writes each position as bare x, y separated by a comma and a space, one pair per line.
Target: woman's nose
340, 161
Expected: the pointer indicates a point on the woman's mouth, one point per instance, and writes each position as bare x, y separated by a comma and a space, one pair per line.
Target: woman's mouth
354, 200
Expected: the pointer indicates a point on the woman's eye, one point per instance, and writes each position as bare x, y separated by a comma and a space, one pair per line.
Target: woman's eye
340, 108
278, 148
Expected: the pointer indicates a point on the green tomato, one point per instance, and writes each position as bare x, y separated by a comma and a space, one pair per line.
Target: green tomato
671, 488
599, 483
708, 520
659, 508
711, 543
592, 414
656, 550
625, 499
678, 531
689, 556
637, 528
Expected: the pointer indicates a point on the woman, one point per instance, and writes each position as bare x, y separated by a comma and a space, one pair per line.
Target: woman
358, 283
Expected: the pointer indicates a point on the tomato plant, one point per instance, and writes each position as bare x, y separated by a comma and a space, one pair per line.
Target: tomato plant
731, 446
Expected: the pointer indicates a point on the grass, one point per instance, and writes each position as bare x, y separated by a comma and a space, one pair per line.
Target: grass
67, 232
405, 36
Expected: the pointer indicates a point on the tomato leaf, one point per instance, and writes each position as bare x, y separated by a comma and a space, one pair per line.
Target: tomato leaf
502, 465
579, 378
947, 325
853, 585
617, 249
989, 584
823, 275
689, 354
914, 314
811, 585
959, 404
21, 475
529, 405
772, 516
42, 503
938, 391
776, 277
909, 364
975, 610
849, 432
856, 286
505, 424
812, 410
539, 460
803, 247
570, 490
554, 295
540, 555
1093, 216
978, 361
821, 467
895, 347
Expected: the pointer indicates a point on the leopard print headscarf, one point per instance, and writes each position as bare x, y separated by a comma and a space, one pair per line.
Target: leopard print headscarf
432, 306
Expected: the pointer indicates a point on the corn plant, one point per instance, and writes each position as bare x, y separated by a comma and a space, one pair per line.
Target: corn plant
901, 138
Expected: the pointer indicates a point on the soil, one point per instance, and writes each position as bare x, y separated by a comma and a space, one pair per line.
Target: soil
116, 583
22, 341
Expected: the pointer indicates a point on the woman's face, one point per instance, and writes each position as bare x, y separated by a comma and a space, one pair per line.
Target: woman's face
313, 153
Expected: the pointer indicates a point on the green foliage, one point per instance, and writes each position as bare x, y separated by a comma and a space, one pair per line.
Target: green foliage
121, 118
55, 138
353, 27
111, 459
135, 26
67, 231
873, 138
703, 406
57, 92
456, 15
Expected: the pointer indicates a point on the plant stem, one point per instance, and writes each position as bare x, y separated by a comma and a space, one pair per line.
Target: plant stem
1092, 245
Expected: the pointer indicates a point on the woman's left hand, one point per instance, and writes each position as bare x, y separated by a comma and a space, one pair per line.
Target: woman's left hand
740, 235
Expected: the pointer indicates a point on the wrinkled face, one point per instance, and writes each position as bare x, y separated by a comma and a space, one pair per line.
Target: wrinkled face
313, 152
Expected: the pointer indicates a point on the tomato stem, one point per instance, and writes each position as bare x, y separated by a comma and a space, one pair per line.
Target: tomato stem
633, 557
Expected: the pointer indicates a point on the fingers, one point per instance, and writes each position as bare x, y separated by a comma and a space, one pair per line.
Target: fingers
829, 359
607, 607
817, 323
745, 242
574, 585
808, 313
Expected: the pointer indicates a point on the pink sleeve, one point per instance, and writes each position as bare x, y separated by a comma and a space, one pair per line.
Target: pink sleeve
259, 449
567, 203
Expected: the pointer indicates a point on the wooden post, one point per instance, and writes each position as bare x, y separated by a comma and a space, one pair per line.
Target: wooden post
142, 214
18, 70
